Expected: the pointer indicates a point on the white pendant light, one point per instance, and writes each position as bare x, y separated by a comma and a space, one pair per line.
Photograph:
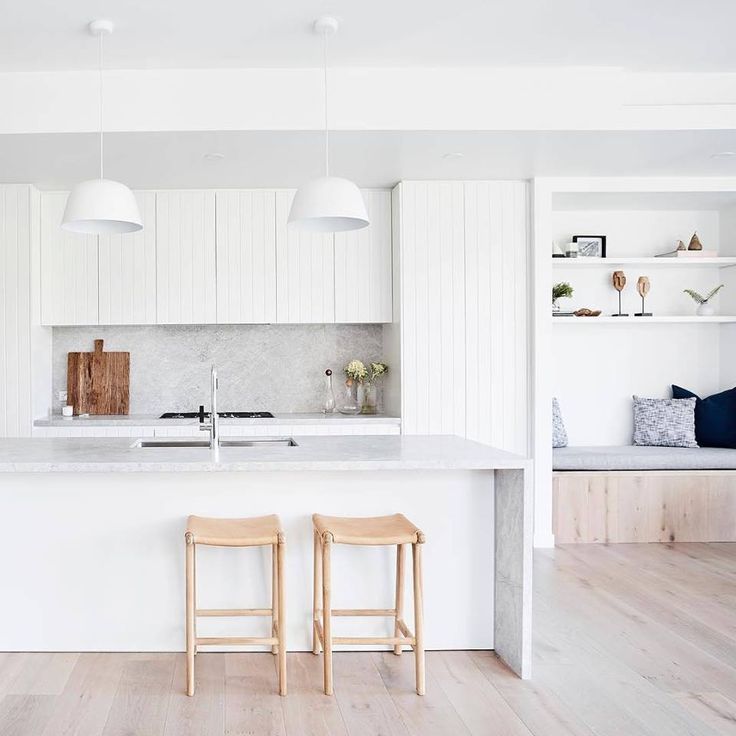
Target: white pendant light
328, 204
101, 206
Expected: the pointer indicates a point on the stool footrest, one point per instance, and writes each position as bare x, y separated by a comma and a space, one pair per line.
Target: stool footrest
233, 612
392, 640
236, 640
363, 612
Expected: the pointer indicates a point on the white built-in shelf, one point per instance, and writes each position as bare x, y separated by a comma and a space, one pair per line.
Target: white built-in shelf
669, 318
720, 261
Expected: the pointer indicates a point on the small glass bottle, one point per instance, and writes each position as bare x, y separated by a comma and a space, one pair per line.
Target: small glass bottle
328, 405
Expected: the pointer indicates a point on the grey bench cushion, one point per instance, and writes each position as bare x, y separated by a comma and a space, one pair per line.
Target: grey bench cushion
643, 458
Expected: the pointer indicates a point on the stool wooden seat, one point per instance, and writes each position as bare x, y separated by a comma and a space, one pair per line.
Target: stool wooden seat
250, 532
395, 529
378, 530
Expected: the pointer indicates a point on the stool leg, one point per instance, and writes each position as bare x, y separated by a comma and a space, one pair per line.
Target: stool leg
327, 611
274, 596
281, 554
190, 607
418, 617
317, 575
399, 593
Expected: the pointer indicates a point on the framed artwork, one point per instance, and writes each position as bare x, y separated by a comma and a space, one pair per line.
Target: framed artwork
590, 246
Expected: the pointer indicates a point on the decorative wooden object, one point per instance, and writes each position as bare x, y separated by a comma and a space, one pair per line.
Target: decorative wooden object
98, 382
619, 282
644, 506
643, 286
378, 530
257, 531
695, 243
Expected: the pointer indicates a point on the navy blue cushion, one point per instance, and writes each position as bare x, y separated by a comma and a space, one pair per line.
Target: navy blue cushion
715, 417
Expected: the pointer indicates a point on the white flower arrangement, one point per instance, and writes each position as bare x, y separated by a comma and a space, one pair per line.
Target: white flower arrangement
355, 370
378, 370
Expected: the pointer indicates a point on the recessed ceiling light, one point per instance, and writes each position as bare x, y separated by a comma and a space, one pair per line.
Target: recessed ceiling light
453, 155
724, 154
214, 156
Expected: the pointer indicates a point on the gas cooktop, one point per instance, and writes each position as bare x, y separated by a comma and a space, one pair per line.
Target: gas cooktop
221, 414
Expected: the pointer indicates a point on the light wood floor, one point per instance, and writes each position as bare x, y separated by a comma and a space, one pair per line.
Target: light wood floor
630, 639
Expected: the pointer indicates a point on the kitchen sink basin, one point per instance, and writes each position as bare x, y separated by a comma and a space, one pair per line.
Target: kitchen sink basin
226, 442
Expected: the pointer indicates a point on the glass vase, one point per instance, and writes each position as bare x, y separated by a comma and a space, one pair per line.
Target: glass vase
369, 399
348, 401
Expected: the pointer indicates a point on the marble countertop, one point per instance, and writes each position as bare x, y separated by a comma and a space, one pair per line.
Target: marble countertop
153, 420
380, 452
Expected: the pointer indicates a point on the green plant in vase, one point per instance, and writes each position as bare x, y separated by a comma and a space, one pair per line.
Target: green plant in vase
561, 290
705, 308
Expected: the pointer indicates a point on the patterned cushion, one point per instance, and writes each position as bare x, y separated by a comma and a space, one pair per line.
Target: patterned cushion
664, 422
559, 435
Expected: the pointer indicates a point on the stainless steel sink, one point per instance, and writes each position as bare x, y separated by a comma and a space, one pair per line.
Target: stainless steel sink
226, 442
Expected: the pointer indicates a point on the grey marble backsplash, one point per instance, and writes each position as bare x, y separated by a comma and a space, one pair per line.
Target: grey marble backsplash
278, 368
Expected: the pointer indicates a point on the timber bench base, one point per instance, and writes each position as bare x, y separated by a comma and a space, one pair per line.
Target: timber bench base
609, 506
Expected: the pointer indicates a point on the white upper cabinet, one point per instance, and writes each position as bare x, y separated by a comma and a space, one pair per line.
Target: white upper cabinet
185, 257
216, 257
246, 256
127, 271
69, 268
305, 270
363, 265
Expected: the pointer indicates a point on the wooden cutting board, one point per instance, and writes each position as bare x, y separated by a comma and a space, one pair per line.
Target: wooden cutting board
99, 382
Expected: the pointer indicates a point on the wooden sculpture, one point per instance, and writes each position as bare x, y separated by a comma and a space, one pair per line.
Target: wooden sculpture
619, 281
643, 286
695, 243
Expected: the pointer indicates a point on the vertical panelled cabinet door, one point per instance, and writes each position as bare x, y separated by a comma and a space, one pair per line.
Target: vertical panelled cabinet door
185, 257
127, 271
69, 262
363, 271
431, 236
305, 270
246, 256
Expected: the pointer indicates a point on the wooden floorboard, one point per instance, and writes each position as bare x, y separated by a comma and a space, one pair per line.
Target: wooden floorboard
629, 640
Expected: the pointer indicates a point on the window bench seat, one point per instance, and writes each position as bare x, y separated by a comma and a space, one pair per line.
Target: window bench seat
644, 494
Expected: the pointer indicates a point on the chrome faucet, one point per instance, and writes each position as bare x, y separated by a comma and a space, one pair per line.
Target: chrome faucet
213, 425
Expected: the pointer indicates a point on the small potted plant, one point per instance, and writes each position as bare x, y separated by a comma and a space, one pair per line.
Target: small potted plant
370, 388
705, 308
562, 290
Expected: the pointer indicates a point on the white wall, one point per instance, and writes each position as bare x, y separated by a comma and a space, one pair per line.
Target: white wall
597, 368
25, 348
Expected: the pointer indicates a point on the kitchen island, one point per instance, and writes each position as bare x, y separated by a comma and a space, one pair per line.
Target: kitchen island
93, 551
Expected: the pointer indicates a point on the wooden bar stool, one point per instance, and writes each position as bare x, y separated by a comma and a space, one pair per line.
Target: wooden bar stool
378, 530
254, 532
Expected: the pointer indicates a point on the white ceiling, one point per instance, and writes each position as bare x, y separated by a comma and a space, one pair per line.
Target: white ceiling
373, 159
654, 34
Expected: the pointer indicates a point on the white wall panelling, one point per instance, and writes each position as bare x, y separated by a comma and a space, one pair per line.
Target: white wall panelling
246, 256
185, 257
127, 271
25, 348
463, 319
363, 265
305, 269
496, 293
69, 269
433, 307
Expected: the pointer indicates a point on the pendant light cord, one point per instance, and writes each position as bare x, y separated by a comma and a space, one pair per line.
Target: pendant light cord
327, 131
102, 143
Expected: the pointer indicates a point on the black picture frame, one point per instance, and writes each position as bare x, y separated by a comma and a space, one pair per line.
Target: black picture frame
601, 238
